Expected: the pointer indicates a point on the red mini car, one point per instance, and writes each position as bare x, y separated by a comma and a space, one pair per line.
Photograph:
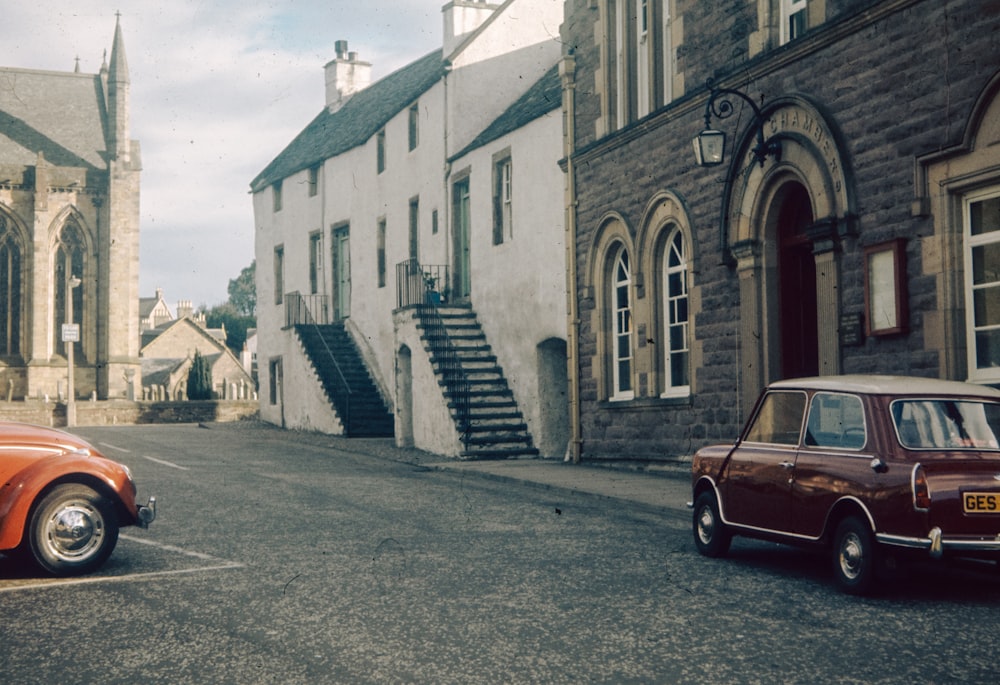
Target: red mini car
871, 467
61, 501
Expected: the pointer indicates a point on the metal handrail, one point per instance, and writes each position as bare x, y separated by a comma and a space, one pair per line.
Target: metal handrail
298, 313
426, 288
451, 368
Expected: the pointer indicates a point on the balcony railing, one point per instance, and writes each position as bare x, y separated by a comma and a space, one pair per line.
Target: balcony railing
419, 285
312, 311
426, 287
300, 309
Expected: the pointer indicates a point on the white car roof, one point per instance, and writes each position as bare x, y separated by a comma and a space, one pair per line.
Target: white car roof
887, 385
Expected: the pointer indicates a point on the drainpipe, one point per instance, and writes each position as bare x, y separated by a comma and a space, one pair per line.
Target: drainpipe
567, 70
446, 209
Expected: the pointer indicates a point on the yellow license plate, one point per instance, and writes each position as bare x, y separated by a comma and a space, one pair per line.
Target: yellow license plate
981, 502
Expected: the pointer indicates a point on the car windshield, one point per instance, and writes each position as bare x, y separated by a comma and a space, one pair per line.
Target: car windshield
947, 424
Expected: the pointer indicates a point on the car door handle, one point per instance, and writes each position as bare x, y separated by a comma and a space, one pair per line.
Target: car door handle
787, 464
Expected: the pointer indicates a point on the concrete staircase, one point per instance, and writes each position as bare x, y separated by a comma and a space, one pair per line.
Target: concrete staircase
482, 405
345, 379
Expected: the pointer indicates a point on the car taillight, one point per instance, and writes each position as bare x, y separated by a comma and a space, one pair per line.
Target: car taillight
921, 493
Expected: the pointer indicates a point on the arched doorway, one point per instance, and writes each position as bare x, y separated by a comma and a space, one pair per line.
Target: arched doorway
404, 397
796, 285
784, 222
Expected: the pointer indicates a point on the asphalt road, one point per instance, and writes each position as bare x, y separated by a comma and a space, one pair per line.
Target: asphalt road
280, 558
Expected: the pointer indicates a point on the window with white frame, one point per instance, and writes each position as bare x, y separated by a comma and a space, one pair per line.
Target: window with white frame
621, 333
666, 52
982, 284
793, 19
676, 333
643, 54
502, 205
315, 261
640, 52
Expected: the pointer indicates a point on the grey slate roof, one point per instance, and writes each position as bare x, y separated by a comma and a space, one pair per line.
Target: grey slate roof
58, 114
361, 117
543, 97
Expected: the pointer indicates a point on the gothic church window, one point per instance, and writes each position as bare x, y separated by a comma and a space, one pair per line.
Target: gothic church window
68, 265
10, 290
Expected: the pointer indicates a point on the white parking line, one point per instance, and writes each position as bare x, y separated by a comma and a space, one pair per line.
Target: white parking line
166, 463
113, 447
223, 565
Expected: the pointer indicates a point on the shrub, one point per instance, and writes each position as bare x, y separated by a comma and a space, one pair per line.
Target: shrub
199, 385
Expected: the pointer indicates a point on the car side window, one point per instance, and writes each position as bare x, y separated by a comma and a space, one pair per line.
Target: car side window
836, 420
779, 420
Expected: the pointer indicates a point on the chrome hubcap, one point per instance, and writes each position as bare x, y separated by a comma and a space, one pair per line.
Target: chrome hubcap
850, 556
706, 525
74, 531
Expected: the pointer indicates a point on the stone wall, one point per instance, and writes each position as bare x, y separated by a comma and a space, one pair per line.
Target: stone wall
889, 106
123, 412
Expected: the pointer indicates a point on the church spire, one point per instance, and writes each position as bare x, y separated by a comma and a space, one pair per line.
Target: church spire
118, 94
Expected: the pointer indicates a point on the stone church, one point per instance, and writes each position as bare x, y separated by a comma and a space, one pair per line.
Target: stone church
69, 232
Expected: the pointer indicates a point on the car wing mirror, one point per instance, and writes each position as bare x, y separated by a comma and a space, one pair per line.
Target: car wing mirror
878, 465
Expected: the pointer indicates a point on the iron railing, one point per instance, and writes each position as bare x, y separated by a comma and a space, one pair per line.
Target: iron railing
426, 287
306, 309
418, 285
299, 312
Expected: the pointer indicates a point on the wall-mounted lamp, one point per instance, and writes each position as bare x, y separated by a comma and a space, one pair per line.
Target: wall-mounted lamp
710, 144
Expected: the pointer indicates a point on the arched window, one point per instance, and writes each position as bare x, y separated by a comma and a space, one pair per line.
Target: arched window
10, 291
676, 329
620, 297
68, 265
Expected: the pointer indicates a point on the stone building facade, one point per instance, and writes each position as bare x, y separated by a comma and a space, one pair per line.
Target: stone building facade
865, 238
69, 231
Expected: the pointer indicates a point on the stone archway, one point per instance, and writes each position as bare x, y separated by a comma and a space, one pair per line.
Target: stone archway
404, 397
789, 216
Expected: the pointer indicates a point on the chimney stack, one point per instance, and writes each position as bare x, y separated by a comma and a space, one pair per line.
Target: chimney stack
462, 17
345, 76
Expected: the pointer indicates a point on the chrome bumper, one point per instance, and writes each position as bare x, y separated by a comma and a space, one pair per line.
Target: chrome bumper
936, 544
144, 515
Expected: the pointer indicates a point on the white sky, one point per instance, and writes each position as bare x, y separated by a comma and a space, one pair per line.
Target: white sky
218, 88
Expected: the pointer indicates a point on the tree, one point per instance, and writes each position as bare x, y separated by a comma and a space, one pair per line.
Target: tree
243, 291
199, 385
236, 325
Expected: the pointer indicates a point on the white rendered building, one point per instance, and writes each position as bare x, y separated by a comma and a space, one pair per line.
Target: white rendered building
421, 217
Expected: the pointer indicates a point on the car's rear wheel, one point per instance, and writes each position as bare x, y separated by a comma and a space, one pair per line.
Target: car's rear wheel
854, 551
711, 535
73, 530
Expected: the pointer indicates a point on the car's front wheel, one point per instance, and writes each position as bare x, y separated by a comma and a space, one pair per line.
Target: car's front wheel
711, 535
854, 552
73, 530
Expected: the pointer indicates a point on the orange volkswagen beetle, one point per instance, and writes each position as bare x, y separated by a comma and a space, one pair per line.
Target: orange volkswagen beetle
61, 501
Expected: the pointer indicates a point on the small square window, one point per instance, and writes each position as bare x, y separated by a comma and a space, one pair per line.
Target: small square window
380, 151
276, 196
313, 181
414, 120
